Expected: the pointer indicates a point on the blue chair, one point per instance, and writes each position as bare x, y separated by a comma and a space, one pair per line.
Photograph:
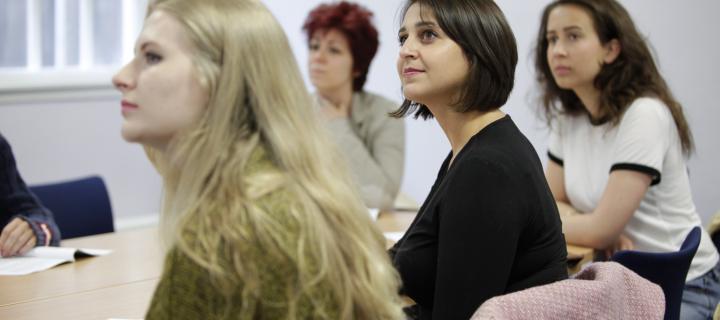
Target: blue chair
80, 207
668, 269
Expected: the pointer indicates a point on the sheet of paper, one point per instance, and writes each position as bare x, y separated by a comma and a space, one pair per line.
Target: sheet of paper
394, 236
43, 258
17, 266
373, 213
52, 253
82, 252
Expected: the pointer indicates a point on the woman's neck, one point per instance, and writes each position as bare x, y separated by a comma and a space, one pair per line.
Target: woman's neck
590, 98
460, 127
338, 97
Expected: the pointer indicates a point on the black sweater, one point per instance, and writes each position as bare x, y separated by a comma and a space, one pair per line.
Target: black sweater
16, 200
488, 227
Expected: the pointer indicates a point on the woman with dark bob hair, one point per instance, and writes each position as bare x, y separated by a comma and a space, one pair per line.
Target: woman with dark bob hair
342, 42
489, 225
619, 142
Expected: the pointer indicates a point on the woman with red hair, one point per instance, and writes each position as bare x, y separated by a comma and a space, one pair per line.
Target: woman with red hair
342, 42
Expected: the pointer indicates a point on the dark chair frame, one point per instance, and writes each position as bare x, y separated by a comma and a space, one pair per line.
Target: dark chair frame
668, 269
80, 207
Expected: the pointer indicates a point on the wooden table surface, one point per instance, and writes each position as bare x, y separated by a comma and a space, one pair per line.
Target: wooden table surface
116, 285
119, 285
400, 221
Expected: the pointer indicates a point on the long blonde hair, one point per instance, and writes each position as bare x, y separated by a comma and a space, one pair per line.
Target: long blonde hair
259, 104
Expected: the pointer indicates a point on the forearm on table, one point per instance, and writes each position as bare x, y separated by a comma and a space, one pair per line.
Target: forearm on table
583, 229
601, 228
587, 231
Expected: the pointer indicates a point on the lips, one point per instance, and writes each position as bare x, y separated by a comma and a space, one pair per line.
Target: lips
561, 70
316, 68
127, 106
409, 72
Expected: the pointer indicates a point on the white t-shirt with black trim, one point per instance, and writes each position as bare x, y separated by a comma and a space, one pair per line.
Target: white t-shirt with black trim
645, 140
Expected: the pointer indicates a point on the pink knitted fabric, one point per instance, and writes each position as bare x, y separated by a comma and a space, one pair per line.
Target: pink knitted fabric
603, 290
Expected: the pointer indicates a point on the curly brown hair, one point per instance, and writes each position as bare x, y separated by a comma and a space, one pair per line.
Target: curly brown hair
355, 23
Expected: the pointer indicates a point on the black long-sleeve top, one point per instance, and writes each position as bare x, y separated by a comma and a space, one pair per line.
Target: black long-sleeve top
17, 201
488, 227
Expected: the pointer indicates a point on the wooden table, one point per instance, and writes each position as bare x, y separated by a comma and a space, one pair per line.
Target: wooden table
117, 285
398, 221
121, 284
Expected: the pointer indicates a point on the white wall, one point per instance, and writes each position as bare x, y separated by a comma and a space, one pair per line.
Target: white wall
69, 138
61, 140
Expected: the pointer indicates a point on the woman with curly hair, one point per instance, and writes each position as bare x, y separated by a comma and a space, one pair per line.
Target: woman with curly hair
342, 42
619, 142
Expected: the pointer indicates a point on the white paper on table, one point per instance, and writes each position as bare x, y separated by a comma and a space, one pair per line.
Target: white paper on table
374, 213
394, 236
43, 258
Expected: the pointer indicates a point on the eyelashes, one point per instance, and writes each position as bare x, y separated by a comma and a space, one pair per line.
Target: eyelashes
152, 58
426, 36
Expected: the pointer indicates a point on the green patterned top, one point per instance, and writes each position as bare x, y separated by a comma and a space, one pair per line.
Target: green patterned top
187, 291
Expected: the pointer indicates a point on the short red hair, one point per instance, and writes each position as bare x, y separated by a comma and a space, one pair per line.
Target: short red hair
353, 21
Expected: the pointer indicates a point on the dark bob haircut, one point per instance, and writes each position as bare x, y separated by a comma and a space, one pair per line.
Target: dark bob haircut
480, 29
354, 22
632, 75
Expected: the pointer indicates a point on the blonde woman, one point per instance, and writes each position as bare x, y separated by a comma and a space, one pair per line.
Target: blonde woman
260, 221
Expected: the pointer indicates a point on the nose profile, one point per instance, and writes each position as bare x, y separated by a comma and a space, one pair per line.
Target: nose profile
122, 80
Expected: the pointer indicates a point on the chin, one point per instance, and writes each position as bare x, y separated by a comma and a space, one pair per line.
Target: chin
564, 84
413, 96
319, 83
130, 135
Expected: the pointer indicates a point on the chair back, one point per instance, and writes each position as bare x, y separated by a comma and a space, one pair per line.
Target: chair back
81, 207
667, 269
601, 291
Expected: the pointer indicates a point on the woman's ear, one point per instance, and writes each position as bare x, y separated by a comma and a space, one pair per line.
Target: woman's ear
612, 51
